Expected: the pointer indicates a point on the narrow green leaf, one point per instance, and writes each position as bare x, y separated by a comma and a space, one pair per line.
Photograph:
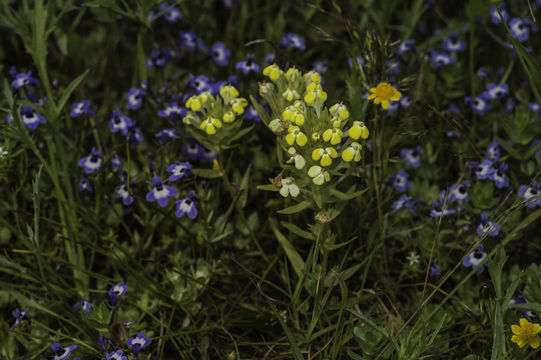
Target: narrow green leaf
261, 111
297, 230
69, 90
268, 187
346, 196
291, 252
206, 173
243, 198
295, 208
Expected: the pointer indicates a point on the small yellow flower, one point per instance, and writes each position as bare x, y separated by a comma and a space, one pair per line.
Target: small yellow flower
273, 72
312, 77
333, 135
292, 74
319, 175
238, 105
296, 158
526, 333
358, 130
296, 136
293, 115
383, 93
193, 103
229, 93
352, 152
229, 117
326, 155
314, 95
210, 124
340, 111
290, 94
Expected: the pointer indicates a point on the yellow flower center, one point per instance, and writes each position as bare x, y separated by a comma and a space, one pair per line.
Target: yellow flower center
384, 91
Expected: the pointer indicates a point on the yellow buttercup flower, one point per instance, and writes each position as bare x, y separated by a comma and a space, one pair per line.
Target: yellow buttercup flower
352, 152
383, 93
358, 130
273, 72
333, 135
210, 124
296, 136
326, 155
526, 333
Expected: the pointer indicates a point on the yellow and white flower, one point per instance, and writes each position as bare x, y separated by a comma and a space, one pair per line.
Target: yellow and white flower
326, 155
289, 187
315, 96
290, 94
340, 111
229, 93
333, 135
296, 136
319, 175
296, 158
210, 124
238, 105
273, 72
358, 130
352, 152
292, 114
229, 117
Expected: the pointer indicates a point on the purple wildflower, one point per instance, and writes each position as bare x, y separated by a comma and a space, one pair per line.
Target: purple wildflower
160, 192
120, 123
187, 206
400, 181
62, 353
178, 170
248, 65
80, 108
453, 44
219, 53
292, 41
137, 343
23, 79
30, 118
84, 184
92, 162
116, 355
135, 98
412, 157
116, 291
19, 316
84, 305
475, 258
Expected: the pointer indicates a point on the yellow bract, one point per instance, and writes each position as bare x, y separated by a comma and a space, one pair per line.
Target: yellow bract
526, 333
314, 94
229, 117
296, 136
238, 105
340, 111
229, 93
193, 103
293, 115
210, 124
333, 135
352, 153
290, 94
319, 175
358, 130
326, 155
272, 71
383, 93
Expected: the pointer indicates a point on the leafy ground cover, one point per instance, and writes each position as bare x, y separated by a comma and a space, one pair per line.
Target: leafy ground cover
270, 180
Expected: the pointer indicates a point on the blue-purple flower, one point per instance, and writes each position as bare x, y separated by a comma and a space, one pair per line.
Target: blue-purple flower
122, 192
393, 66
479, 104
116, 355
453, 44
135, 98
219, 53
482, 170
200, 83
486, 227
292, 41
178, 170
406, 46
520, 29
19, 316
62, 353
493, 151
120, 123
321, 66
116, 162
92, 162
459, 193
30, 118
159, 57
248, 65
116, 291
173, 111
496, 91
187, 206
172, 15
475, 258
193, 150
400, 181
84, 184
495, 17
138, 342
84, 305
135, 135
80, 108
434, 268
405, 102
166, 134
189, 41
531, 194
359, 61
498, 176
521, 299
401, 202
160, 192
412, 157
22, 79
441, 59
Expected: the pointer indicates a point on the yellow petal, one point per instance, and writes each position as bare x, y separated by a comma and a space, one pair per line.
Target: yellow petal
371, 96
515, 329
385, 104
534, 342
518, 340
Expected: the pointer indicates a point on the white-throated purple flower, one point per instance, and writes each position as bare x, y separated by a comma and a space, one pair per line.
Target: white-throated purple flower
520, 29
84, 305
208, 155
475, 258
160, 57
400, 181
486, 227
120, 122
453, 44
171, 16
116, 291
495, 16
434, 268
160, 192
478, 104
62, 353
116, 162
135, 135
521, 299
535, 107
292, 41
19, 316
496, 91
187, 206
199, 83
401, 202
122, 192
459, 193
393, 106
359, 61
135, 98
30, 118
166, 134
178, 170
406, 46
509, 105
193, 150
482, 170
92, 162
23, 79
393, 66
531, 194
405, 102
102, 340
441, 59
412, 157
173, 111
439, 211
80, 108
251, 114
270, 58
493, 151
84, 184
499, 177
137, 343
248, 65
116, 355
219, 53
482, 73
189, 41
321, 67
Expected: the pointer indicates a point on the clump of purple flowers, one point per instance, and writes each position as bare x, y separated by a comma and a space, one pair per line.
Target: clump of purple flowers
137, 343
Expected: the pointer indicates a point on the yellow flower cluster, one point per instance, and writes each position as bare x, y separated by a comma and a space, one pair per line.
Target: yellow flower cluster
210, 112
308, 129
